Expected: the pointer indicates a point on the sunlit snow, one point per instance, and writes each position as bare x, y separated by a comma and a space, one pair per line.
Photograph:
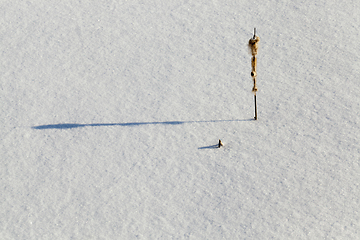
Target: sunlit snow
111, 112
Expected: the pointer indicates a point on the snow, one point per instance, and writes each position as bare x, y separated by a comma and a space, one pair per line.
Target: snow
110, 111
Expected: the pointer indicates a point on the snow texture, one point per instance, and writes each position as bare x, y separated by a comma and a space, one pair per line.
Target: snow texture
111, 112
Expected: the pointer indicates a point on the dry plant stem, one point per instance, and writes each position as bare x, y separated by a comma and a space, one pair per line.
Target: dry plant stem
253, 45
255, 108
253, 73
253, 66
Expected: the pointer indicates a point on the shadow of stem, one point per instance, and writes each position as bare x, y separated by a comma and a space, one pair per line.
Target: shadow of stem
77, 125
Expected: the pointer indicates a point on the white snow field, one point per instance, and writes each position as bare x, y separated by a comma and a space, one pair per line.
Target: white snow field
110, 111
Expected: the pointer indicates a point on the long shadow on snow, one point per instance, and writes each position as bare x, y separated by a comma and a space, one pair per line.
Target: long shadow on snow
77, 125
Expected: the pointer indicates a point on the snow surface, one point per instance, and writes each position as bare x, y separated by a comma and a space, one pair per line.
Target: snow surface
110, 111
